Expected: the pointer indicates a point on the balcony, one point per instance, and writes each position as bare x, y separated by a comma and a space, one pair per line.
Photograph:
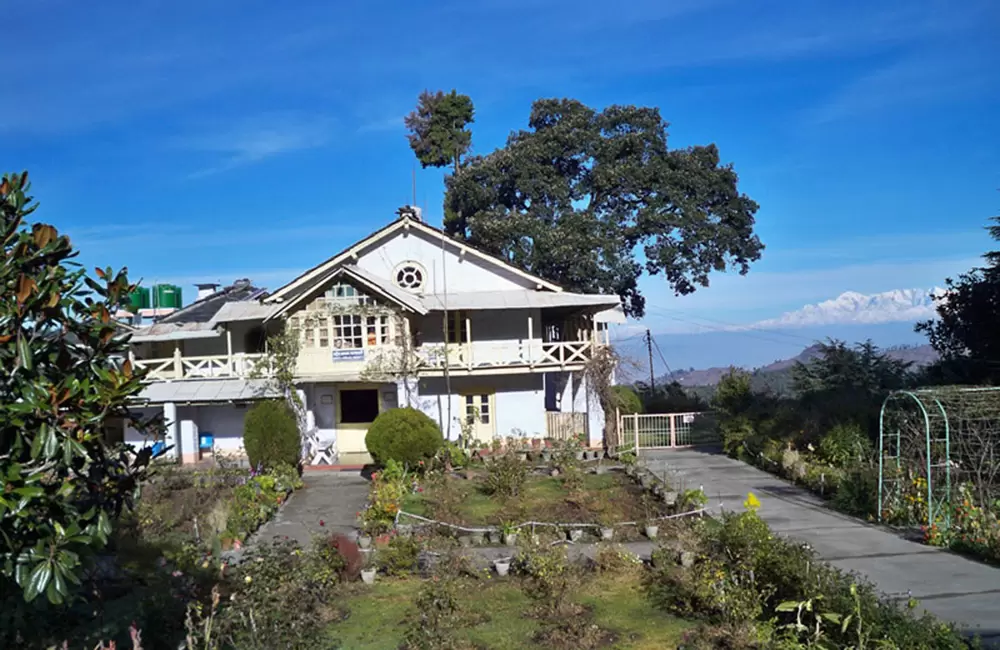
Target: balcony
504, 356
241, 365
482, 357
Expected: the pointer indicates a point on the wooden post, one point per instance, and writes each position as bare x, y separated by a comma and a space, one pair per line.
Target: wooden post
229, 351
468, 342
635, 426
673, 430
178, 365
531, 343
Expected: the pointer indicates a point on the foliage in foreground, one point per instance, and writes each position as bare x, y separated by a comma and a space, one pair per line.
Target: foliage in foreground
745, 574
61, 352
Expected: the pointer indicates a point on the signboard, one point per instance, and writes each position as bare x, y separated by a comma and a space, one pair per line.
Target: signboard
688, 418
353, 354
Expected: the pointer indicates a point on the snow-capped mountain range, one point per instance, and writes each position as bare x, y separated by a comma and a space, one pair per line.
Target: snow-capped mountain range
850, 307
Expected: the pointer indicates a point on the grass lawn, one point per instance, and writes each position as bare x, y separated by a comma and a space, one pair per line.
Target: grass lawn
376, 616
543, 498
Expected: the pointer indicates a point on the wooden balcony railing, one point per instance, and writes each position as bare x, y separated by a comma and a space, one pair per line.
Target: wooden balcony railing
476, 355
205, 367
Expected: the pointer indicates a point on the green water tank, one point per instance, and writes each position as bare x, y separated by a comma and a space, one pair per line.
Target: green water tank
138, 299
167, 296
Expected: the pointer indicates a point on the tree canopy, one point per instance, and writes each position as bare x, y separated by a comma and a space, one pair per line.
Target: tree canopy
438, 133
965, 332
66, 377
591, 199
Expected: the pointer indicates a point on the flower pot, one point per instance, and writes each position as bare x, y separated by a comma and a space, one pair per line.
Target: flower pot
510, 539
364, 541
651, 531
546, 456
687, 559
575, 534
494, 537
404, 530
553, 472
368, 576
669, 497
607, 534
477, 539
579, 455
502, 567
630, 470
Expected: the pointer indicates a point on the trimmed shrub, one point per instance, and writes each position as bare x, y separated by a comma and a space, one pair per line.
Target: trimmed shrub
271, 435
405, 435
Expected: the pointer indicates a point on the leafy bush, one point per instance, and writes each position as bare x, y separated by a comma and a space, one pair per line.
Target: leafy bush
271, 435
857, 493
505, 475
405, 435
733, 396
399, 556
438, 615
627, 400
379, 514
845, 444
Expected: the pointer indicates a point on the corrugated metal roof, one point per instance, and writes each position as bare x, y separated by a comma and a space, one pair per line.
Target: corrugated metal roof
243, 310
207, 390
174, 332
517, 300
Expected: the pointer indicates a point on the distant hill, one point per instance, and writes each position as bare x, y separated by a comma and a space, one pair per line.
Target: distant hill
919, 355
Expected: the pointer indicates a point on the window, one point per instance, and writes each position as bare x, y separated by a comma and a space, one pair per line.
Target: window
347, 294
477, 409
347, 331
410, 276
358, 406
377, 330
457, 331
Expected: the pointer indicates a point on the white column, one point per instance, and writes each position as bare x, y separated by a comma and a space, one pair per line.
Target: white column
229, 351
170, 438
189, 442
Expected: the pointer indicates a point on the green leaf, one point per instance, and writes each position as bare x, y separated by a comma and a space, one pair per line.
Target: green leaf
24, 356
38, 580
787, 606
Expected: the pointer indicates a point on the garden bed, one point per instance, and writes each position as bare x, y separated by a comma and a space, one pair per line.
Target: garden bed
375, 617
544, 504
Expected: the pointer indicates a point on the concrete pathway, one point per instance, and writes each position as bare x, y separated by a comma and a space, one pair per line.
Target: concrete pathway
952, 587
331, 497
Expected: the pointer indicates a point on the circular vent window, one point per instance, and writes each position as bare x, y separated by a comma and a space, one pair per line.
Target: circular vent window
410, 276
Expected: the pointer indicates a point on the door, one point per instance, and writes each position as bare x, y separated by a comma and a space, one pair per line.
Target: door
479, 416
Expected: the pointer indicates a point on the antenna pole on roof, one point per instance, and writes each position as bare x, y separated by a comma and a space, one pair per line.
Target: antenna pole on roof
413, 171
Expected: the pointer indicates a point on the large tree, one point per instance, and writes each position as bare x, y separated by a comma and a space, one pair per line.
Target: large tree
65, 377
438, 132
591, 199
966, 332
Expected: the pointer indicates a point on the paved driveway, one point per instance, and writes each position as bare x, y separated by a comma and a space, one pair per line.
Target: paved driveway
952, 587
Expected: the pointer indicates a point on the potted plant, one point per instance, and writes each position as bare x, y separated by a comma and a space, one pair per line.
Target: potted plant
477, 537
368, 574
575, 534
508, 532
502, 566
648, 524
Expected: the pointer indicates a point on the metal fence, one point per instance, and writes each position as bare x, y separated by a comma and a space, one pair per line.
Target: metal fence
667, 430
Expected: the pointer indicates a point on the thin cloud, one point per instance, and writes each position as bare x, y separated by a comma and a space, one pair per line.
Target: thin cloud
258, 139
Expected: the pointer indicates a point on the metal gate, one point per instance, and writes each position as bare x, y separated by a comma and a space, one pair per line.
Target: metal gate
667, 430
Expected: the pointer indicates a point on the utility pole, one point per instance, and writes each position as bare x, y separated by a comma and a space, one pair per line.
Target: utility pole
649, 349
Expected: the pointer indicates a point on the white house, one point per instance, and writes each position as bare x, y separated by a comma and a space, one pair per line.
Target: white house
405, 317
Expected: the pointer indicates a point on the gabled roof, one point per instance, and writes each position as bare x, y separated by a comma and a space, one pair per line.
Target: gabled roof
378, 286
405, 222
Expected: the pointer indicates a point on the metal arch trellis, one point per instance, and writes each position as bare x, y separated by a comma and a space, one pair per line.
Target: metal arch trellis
931, 442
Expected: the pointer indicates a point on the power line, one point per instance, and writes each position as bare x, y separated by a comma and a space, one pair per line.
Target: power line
665, 364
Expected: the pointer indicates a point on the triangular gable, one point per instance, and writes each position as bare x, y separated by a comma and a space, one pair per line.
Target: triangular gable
376, 286
315, 274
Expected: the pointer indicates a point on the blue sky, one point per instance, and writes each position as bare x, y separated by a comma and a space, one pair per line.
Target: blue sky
198, 141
